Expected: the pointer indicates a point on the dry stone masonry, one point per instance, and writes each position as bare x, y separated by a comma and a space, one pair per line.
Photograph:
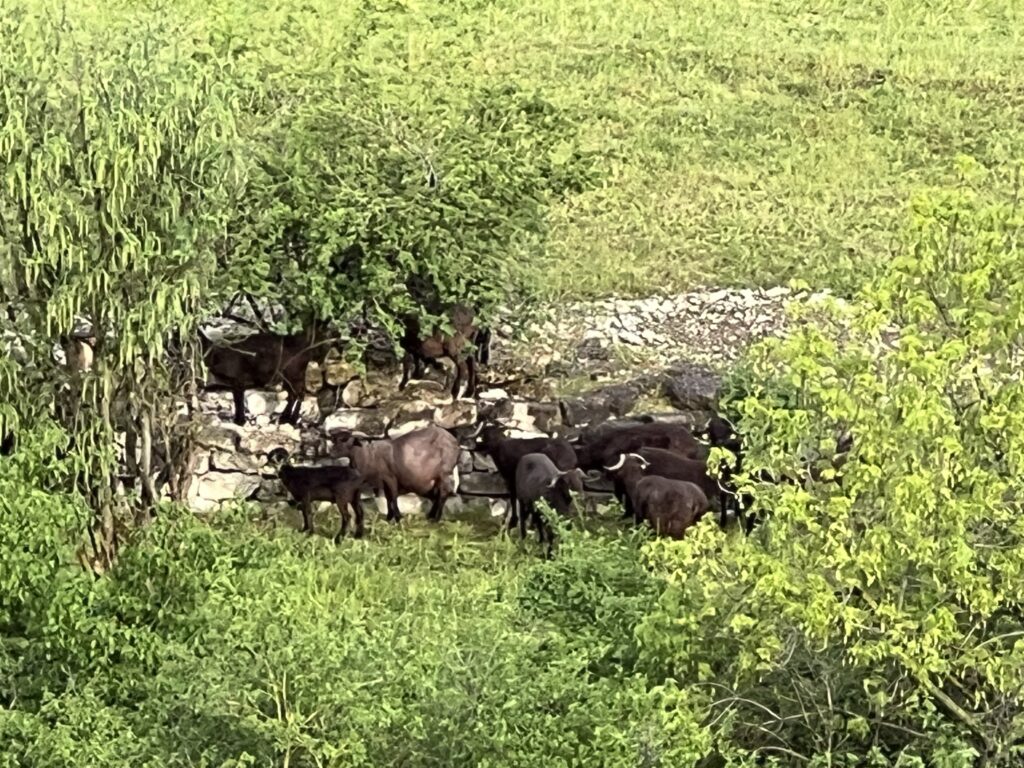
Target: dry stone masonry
687, 340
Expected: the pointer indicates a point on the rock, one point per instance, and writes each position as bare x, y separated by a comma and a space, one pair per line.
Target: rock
777, 292
329, 400
262, 442
270, 489
353, 393
338, 372
359, 421
309, 410
629, 337
493, 395
407, 427
500, 410
594, 349
544, 416
202, 465
223, 461
314, 377
458, 414
465, 464
222, 486
580, 411
499, 508
690, 419
433, 392
413, 410
481, 463
482, 484
223, 436
691, 387
408, 504
620, 398
263, 402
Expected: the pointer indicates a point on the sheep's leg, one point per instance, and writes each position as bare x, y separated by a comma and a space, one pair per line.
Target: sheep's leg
407, 366
290, 414
513, 514
357, 507
619, 490
437, 506
419, 368
526, 510
391, 497
307, 515
342, 504
471, 376
239, 395
460, 370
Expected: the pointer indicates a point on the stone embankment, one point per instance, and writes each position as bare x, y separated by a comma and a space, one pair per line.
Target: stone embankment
662, 357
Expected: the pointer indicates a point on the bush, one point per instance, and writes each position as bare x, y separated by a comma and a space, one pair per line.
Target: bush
877, 620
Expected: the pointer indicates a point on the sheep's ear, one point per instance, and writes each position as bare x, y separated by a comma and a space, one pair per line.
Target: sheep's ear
277, 456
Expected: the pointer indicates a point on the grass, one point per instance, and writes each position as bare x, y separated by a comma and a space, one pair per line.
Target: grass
749, 143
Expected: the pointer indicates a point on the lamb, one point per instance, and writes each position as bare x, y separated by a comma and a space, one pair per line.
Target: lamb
423, 348
537, 477
506, 452
669, 506
338, 484
423, 462
260, 359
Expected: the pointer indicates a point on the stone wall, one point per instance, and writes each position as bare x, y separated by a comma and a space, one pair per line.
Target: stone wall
612, 344
232, 461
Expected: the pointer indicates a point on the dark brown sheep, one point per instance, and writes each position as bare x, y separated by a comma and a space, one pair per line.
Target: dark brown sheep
603, 447
337, 484
261, 359
506, 453
661, 463
537, 477
430, 348
669, 506
423, 462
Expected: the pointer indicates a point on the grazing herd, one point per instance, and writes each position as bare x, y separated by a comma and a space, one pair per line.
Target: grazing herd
658, 470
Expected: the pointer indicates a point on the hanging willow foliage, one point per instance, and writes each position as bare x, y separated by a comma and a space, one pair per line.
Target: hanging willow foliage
116, 159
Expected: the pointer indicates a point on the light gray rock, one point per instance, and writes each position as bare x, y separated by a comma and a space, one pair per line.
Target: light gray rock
629, 337
224, 486
408, 426
360, 421
263, 441
235, 461
482, 484
314, 377
457, 414
223, 436
338, 372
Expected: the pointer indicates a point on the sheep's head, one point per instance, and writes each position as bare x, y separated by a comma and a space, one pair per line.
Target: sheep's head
630, 466
342, 443
277, 457
489, 435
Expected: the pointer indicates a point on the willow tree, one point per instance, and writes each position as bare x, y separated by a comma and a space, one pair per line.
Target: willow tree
116, 160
